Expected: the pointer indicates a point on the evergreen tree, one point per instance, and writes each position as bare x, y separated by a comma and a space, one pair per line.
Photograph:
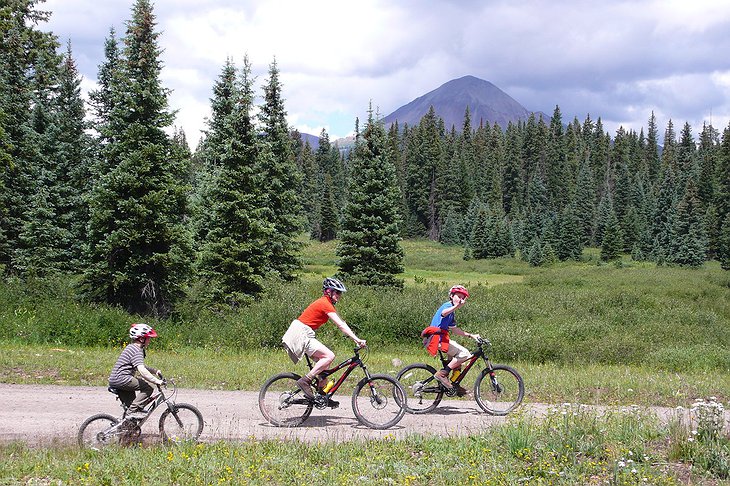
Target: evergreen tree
139, 246
535, 255
234, 258
570, 240
73, 165
282, 180
329, 224
102, 99
480, 245
723, 244
369, 249
652, 149
512, 186
663, 219
689, 246
669, 149
451, 230
612, 242
557, 177
25, 53
722, 197
211, 150
585, 203
423, 158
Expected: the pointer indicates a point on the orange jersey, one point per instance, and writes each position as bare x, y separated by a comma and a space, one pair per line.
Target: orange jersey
316, 314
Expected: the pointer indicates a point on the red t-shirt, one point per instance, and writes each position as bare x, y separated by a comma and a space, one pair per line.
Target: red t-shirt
316, 314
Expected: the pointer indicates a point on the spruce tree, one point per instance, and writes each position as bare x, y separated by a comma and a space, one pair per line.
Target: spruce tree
211, 150
140, 250
570, 240
585, 203
369, 248
282, 180
612, 242
723, 244
329, 222
73, 166
663, 219
24, 55
234, 257
689, 246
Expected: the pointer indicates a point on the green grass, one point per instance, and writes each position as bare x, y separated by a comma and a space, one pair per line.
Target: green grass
247, 370
572, 445
588, 333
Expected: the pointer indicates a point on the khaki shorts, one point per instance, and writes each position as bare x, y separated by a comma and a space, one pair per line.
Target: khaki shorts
457, 351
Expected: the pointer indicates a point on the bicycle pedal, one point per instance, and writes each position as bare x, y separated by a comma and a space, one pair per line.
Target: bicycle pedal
333, 404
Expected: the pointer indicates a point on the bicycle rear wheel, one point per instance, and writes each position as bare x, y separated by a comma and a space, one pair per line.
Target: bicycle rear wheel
500, 391
379, 402
423, 391
282, 402
183, 422
99, 431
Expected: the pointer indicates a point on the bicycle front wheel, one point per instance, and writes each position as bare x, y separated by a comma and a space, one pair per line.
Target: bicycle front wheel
282, 402
379, 402
183, 422
99, 431
423, 391
499, 391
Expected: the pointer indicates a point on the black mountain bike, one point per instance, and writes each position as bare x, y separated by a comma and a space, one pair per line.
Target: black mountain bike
378, 400
180, 422
498, 390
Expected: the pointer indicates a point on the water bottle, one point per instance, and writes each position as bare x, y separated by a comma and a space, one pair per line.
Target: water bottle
328, 386
455, 374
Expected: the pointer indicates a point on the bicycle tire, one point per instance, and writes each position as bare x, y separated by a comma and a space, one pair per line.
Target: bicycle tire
183, 422
91, 433
423, 391
282, 403
379, 402
503, 400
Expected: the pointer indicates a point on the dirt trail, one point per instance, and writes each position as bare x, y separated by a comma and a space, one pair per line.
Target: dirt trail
46, 414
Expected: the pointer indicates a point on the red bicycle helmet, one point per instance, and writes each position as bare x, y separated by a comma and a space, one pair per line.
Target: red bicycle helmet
459, 289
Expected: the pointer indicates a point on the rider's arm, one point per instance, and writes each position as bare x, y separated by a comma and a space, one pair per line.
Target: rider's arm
145, 373
345, 328
460, 332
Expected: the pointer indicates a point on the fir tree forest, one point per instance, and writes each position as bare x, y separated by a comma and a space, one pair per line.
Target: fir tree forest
109, 191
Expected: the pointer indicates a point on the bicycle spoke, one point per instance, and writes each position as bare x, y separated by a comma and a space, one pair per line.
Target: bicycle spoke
379, 402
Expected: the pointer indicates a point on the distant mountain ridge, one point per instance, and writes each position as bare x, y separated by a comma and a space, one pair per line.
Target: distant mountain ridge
486, 103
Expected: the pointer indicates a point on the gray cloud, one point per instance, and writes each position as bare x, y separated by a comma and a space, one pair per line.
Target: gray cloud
617, 60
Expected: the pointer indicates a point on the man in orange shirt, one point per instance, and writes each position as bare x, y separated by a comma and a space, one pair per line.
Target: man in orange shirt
299, 338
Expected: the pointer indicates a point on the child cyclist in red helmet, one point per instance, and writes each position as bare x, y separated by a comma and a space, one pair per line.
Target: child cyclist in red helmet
299, 338
437, 335
131, 374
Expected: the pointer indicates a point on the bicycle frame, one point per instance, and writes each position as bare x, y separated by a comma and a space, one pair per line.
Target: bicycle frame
350, 364
155, 400
469, 363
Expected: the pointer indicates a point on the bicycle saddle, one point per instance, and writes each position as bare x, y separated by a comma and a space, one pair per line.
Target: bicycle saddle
113, 390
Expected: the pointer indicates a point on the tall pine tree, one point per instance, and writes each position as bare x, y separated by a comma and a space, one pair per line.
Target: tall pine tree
140, 251
369, 249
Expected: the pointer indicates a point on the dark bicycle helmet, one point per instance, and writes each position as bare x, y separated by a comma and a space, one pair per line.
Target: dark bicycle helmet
332, 283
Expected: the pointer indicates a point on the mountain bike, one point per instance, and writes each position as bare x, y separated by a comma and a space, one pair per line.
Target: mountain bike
179, 422
378, 400
499, 389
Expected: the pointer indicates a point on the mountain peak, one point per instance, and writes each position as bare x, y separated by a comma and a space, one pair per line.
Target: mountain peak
487, 103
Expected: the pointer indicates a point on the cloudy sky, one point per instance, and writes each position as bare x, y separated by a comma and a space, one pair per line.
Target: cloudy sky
615, 59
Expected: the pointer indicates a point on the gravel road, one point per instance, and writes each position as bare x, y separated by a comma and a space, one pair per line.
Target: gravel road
46, 414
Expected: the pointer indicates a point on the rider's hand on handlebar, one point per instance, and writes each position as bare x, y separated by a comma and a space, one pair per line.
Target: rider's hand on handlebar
361, 343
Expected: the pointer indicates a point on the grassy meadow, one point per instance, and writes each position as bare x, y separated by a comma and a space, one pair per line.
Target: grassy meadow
579, 332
